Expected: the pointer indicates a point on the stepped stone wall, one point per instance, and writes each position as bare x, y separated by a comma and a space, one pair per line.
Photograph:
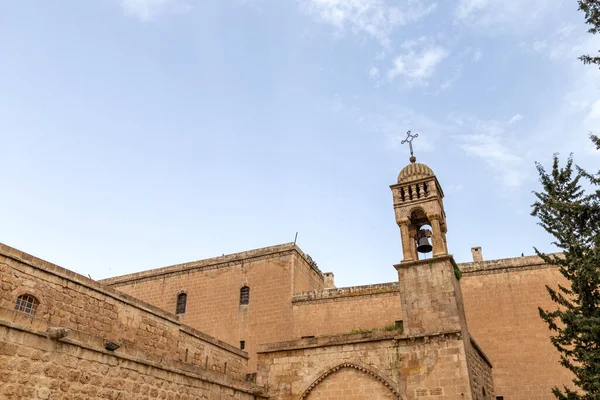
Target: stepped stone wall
213, 293
52, 352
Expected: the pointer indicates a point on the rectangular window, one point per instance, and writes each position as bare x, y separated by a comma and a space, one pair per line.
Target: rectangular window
499, 397
245, 295
242, 344
181, 303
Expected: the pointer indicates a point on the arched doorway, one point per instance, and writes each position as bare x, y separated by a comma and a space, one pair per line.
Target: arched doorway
350, 382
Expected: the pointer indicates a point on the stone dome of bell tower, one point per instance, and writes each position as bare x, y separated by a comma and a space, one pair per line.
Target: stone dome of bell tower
414, 171
418, 204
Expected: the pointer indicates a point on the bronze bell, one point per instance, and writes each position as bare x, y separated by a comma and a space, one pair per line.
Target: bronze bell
423, 245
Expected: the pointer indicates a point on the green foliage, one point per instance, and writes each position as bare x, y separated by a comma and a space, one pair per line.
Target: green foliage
457, 272
572, 216
353, 331
591, 8
394, 327
596, 140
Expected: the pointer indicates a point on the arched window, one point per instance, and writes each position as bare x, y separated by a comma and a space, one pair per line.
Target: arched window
27, 304
245, 295
181, 303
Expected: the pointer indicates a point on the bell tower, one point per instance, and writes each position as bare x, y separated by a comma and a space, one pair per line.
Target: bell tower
429, 287
419, 211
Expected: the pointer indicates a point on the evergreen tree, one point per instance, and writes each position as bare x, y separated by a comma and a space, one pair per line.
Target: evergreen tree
572, 215
591, 8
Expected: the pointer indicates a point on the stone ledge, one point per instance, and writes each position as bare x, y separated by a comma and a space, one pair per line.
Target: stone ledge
17, 318
60, 272
409, 264
162, 363
349, 338
207, 338
345, 293
504, 265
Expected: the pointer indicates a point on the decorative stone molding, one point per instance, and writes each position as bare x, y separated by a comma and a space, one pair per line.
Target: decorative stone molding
403, 221
363, 368
434, 215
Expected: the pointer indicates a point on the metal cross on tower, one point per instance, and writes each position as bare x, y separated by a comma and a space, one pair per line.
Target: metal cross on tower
409, 139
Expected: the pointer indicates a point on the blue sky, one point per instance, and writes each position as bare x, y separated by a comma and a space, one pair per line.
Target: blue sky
143, 133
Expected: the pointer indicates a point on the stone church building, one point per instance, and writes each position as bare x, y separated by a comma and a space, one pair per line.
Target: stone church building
267, 323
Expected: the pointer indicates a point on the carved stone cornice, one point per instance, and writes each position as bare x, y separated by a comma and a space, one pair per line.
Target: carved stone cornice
434, 215
403, 221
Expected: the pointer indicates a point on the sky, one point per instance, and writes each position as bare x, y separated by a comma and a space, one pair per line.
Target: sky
137, 134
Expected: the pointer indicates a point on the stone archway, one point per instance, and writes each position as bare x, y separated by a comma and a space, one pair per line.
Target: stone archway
351, 382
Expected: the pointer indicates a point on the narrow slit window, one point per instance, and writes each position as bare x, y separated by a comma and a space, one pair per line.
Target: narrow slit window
245, 295
242, 344
26, 303
181, 303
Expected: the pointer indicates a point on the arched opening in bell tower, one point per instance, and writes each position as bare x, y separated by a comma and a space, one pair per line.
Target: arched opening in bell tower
420, 234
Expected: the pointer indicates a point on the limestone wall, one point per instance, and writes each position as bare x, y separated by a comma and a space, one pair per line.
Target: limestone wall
391, 366
430, 296
93, 314
213, 293
32, 366
306, 276
482, 385
501, 299
342, 310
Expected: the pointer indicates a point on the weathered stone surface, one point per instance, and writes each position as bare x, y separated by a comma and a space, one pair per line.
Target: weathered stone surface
393, 366
59, 351
501, 299
67, 371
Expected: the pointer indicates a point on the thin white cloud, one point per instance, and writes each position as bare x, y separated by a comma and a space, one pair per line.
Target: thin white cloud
490, 142
418, 62
376, 18
564, 126
515, 118
467, 7
594, 112
507, 14
565, 30
373, 72
540, 45
148, 10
